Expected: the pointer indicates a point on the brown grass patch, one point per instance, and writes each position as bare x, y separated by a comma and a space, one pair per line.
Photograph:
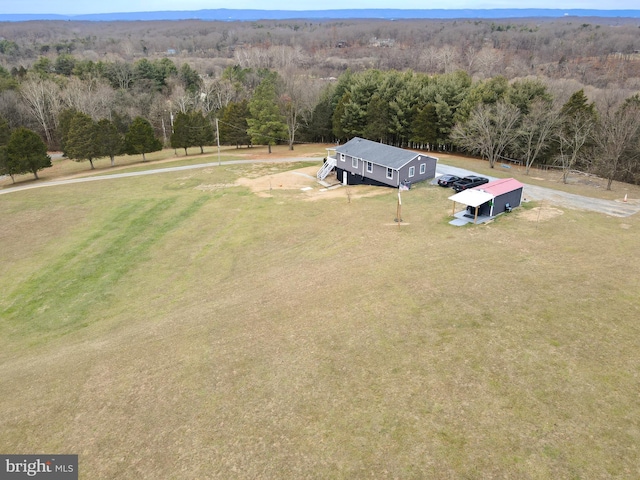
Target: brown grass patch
540, 214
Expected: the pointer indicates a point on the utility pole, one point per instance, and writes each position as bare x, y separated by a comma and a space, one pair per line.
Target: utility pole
218, 139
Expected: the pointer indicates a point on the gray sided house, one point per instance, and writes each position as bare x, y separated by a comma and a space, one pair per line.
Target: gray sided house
362, 161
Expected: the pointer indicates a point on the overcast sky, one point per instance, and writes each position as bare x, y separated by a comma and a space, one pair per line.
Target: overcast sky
75, 7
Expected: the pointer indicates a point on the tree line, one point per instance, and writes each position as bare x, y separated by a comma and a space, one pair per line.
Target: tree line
595, 51
92, 110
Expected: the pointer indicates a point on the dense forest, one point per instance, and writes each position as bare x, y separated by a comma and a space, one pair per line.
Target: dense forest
538, 91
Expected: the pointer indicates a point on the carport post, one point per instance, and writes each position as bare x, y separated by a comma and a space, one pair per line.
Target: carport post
475, 220
454, 208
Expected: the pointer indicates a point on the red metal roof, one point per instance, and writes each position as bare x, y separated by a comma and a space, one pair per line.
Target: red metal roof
500, 186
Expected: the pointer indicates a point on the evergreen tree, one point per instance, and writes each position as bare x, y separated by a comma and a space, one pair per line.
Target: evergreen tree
354, 118
181, 136
319, 128
522, 94
43, 67
233, 124
140, 138
5, 131
338, 114
64, 124
266, 125
64, 64
424, 129
6, 81
189, 78
5, 134
26, 152
109, 140
486, 92
81, 142
202, 131
377, 127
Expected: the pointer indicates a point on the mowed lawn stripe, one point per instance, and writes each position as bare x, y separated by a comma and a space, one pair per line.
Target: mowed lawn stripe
62, 295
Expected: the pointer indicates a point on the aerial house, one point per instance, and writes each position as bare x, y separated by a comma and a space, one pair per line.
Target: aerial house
363, 162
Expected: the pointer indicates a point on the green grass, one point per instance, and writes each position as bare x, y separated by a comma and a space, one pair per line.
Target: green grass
161, 331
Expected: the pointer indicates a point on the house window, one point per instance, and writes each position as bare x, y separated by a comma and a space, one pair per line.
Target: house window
342, 157
412, 171
369, 167
423, 168
354, 162
389, 172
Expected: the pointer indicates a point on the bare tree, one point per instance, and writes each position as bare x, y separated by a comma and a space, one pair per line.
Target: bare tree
92, 97
42, 98
217, 94
122, 74
572, 141
449, 58
489, 131
428, 59
578, 118
300, 96
487, 61
183, 101
537, 130
617, 138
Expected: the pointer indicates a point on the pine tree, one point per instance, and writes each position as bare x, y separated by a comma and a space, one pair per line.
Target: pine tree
425, 126
26, 152
140, 138
266, 125
181, 136
202, 131
81, 141
233, 124
109, 141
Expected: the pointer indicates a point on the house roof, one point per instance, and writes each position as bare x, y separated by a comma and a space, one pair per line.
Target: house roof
500, 186
379, 153
472, 197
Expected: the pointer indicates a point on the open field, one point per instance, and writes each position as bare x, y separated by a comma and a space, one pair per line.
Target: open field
184, 326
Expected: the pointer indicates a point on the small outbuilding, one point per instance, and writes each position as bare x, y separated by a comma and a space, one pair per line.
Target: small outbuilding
361, 161
490, 199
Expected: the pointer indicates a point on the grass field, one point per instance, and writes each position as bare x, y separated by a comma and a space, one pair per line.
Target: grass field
161, 330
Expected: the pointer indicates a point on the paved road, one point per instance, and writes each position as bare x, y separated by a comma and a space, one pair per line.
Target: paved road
557, 197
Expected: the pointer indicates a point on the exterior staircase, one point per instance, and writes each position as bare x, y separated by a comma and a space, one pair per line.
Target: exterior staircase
326, 168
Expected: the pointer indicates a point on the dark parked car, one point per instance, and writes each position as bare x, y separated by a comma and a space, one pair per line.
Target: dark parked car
469, 182
447, 180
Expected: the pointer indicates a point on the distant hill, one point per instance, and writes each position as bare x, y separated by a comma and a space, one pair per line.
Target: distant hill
223, 14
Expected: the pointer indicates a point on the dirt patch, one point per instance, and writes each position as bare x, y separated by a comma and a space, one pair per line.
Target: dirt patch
541, 214
304, 181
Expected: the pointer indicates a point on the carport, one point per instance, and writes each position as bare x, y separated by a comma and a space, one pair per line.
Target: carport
488, 200
471, 198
